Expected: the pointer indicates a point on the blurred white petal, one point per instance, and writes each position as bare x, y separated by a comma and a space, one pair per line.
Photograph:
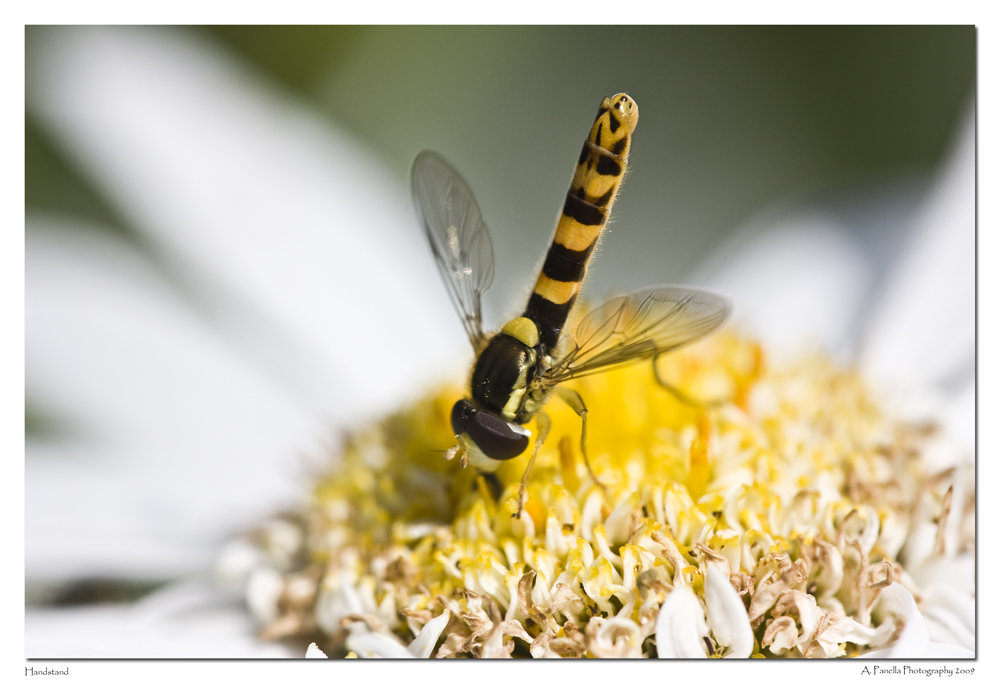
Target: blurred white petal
166, 419
959, 571
338, 599
920, 348
950, 615
806, 279
264, 587
189, 620
313, 652
914, 642
923, 330
259, 196
235, 562
958, 417
949, 606
796, 282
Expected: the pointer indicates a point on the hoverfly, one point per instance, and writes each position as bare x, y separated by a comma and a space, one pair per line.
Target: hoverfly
518, 369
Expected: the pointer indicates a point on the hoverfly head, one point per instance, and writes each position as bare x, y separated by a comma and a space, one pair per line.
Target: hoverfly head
494, 437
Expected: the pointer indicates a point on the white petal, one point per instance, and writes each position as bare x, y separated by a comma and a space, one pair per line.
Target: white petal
423, 644
182, 621
727, 616
493, 646
680, 626
161, 419
337, 599
313, 652
945, 651
263, 591
616, 637
367, 644
842, 629
235, 561
260, 197
757, 267
958, 572
914, 642
950, 614
958, 419
923, 330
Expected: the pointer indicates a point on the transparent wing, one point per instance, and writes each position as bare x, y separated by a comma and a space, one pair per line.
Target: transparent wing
638, 326
458, 237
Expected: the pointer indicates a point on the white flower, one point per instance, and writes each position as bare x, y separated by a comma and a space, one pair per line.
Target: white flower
190, 440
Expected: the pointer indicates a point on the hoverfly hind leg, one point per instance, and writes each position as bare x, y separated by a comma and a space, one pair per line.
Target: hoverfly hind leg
544, 425
575, 401
683, 397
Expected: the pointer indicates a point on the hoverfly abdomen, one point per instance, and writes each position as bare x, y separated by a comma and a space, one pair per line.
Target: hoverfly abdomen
585, 212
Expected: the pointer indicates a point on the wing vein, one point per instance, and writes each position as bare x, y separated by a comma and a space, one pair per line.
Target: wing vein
639, 326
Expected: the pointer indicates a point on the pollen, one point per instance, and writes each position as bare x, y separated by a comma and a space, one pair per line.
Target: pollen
761, 516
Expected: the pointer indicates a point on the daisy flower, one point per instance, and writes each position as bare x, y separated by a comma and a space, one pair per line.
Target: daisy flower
826, 508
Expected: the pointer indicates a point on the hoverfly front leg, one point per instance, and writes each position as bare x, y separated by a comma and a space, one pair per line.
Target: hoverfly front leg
544, 425
458, 449
575, 401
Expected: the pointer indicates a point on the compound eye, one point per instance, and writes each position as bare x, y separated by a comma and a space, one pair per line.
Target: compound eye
460, 415
496, 438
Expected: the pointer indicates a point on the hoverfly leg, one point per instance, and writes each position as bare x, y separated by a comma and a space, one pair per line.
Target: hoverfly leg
575, 401
493, 484
456, 450
680, 395
544, 424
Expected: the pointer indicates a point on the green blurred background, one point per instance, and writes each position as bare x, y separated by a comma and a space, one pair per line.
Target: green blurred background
732, 120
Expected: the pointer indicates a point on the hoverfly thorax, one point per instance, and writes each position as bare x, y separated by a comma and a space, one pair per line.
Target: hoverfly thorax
502, 375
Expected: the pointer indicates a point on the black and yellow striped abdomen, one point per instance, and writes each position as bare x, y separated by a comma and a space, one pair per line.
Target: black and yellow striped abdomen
595, 184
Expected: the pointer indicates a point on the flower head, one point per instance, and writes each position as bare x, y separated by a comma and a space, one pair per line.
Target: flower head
767, 524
